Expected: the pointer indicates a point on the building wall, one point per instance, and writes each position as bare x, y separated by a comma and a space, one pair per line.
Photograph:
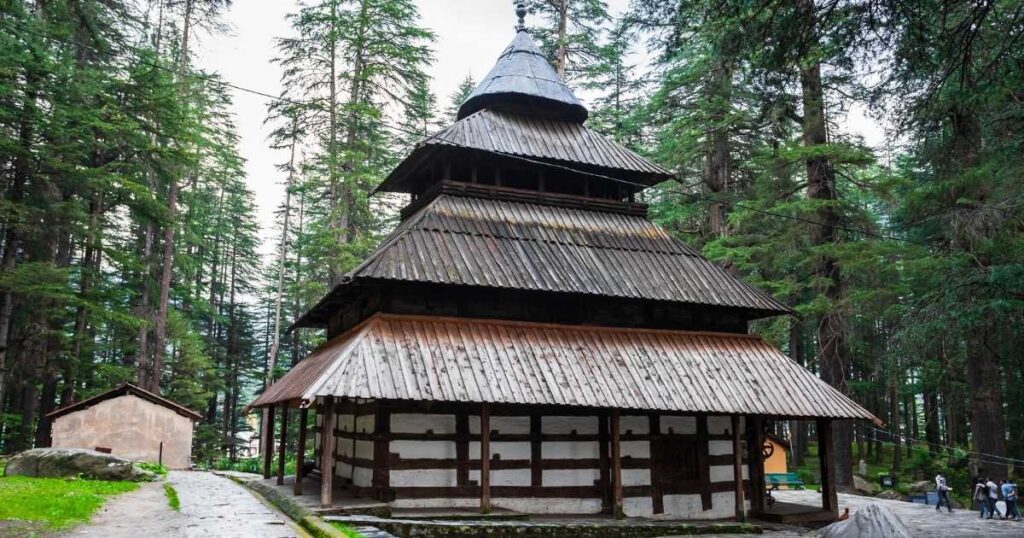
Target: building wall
557, 464
131, 427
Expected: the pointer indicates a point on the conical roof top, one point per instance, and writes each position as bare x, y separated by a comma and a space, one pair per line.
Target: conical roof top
523, 79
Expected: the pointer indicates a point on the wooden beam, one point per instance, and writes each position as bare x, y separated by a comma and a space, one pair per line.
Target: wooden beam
485, 459
829, 497
755, 462
737, 468
603, 462
327, 455
268, 440
617, 503
282, 450
300, 451
381, 472
536, 453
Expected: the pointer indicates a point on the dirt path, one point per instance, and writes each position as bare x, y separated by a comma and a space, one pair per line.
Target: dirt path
143, 511
211, 506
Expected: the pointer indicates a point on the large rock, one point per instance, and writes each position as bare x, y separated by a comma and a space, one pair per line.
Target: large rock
891, 495
864, 487
922, 486
872, 521
73, 462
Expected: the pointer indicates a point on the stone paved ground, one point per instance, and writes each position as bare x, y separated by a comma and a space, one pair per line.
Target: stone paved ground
211, 506
922, 520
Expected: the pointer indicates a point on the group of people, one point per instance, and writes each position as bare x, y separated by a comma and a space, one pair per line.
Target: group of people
986, 494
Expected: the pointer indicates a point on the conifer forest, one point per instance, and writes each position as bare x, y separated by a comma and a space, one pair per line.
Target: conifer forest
131, 248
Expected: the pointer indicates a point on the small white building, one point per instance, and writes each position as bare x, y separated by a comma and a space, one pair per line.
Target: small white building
128, 422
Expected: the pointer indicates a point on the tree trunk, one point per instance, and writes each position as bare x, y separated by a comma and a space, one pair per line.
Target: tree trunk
821, 187
281, 258
562, 52
167, 259
717, 152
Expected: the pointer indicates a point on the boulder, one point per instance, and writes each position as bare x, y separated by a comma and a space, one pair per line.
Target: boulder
864, 487
922, 486
891, 495
73, 462
872, 521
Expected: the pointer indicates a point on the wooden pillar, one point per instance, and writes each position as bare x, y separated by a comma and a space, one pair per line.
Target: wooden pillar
737, 468
829, 498
603, 462
327, 455
755, 462
282, 450
300, 451
381, 453
485, 459
616, 467
268, 440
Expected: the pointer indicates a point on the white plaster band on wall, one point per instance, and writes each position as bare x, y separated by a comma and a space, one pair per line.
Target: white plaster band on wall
422, 423
424, 449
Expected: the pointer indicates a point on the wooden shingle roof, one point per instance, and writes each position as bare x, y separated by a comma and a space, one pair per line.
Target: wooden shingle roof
523, 76
426, 358
469, 241
549, 140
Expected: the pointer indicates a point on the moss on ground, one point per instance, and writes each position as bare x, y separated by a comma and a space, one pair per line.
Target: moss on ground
56, 502
172, 497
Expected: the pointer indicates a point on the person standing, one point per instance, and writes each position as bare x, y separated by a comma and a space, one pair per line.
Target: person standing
981, 497
943, 489
1009, 491
993, 496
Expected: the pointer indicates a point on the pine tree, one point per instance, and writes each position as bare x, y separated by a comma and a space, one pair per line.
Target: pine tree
459, 96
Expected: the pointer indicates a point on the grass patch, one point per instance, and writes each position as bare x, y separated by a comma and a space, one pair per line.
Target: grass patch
349, 532
172, 497
57, 502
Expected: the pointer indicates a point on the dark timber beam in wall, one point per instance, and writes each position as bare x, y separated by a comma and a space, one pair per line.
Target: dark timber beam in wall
485, 458
829, 498
737, 468
616, 467
381, 471
604, 463
283, 447
300, 451
327, 455
268, 438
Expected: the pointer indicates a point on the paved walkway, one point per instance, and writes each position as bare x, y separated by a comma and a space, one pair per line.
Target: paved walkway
920, 519
211, 506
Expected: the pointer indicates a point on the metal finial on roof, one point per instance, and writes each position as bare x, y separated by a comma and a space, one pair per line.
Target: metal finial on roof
521, 13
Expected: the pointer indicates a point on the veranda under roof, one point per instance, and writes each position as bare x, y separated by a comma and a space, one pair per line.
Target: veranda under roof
438, 359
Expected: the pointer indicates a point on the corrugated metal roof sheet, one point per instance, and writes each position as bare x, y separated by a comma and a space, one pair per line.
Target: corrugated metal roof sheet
469, 360
523, 73
504, 244
527, 136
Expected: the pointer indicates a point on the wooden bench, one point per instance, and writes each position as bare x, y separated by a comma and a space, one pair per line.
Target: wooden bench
774, 480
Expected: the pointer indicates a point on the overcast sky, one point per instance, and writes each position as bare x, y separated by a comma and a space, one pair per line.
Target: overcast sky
470, 35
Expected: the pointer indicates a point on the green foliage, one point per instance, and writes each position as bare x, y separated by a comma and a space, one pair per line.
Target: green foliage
153, 468
172, 497
59, 503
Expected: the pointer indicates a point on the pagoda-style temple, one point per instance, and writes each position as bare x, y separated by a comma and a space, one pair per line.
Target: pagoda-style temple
527, 340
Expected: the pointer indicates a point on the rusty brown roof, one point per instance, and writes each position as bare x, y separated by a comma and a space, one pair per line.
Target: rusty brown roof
471, 360
533, 137
121, 390
504, 244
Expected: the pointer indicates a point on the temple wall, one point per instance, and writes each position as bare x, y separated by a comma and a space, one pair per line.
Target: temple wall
538, 464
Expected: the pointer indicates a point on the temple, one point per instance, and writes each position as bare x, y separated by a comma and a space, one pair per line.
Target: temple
527, 340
